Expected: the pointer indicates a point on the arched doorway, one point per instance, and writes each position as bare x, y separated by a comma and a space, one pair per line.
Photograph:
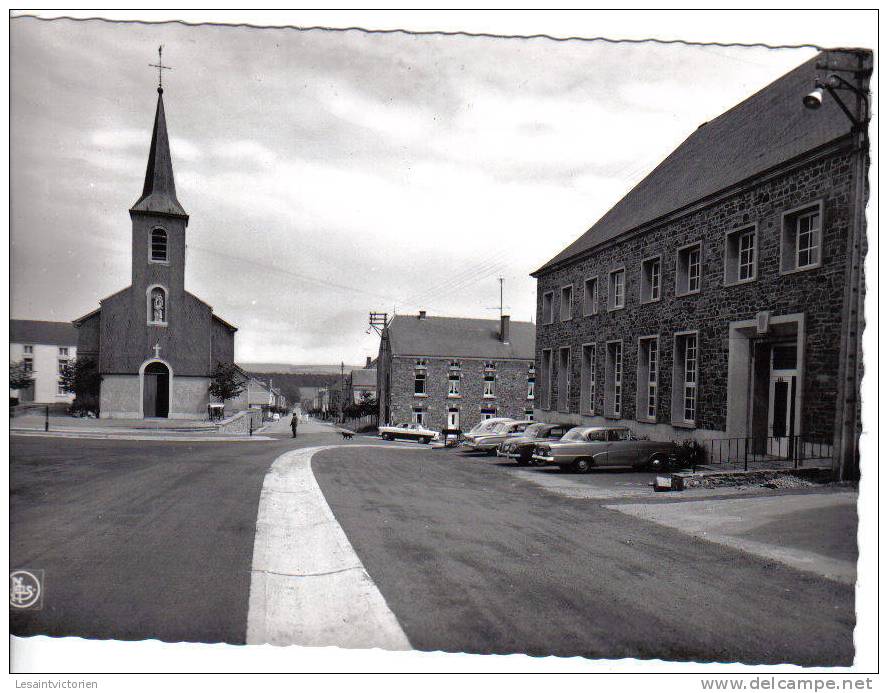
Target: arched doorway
156, 390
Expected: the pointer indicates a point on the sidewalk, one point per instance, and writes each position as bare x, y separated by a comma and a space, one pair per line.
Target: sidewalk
123, 429
813, 532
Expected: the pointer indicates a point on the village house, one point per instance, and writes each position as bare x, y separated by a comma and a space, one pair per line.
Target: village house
156, 344
719, 299
44, 348
455, 372
363, 382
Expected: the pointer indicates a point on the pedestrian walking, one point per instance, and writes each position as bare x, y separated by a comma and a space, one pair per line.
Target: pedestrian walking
294, 422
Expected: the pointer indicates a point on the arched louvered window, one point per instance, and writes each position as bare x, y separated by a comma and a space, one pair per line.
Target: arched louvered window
159, 245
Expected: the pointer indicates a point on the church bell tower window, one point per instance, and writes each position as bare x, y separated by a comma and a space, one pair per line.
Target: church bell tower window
159, 246
157, 306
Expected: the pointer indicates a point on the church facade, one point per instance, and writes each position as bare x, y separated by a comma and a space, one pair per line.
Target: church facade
154, 344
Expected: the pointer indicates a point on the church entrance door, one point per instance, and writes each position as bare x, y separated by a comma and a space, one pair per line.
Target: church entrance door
156, 391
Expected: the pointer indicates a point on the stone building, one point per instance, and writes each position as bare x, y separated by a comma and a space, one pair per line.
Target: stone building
44, 348
454, 372
154, 343
362, 382
717, 298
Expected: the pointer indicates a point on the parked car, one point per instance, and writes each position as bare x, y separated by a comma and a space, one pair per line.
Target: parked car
488, 441
583, 448
408, 431
520, 449
483, 428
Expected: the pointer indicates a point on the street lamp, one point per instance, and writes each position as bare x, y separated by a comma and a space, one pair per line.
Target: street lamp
845, 460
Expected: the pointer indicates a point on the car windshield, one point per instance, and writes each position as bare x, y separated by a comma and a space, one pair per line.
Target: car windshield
534, 430
574, 434
497, 428
590, 434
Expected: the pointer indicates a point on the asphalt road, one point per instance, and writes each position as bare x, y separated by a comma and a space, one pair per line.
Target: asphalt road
140, 539
473, 558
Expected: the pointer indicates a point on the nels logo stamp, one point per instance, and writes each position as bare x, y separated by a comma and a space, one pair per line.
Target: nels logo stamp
26, 589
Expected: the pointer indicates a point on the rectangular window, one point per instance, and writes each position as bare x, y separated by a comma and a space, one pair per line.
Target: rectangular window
489, 385
587, 380
63, 352
566, 306
564, 379
28, 348
688, 269
548, 314
614, 404
686, 374
453, 385
590, 296
419, 378
740, 256
418, 416
62, 364
616, 289
488, 413
650, 280
648, 378
531, 388
802, 239
546, 375
28, 364
528, 414
453, 417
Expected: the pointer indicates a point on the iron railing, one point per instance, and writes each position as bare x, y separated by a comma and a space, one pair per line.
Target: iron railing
772, 452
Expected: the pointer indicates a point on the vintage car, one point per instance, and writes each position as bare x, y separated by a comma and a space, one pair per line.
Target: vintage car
520, 449
583, 448
483, 428
488, 441
408, 431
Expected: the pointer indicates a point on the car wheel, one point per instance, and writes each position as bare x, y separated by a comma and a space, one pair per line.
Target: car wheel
425, 441
387, 436
582, 465
658, 463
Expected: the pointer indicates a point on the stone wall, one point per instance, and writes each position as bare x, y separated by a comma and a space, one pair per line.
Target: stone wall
816, 293
510, 391
190, 397
240, 422
120, 397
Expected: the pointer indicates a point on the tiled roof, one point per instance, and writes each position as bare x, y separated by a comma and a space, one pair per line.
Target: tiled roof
767, 129
466, 337
42, 332
364, 377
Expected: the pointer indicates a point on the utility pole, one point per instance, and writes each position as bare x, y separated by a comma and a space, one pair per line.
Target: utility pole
341, 389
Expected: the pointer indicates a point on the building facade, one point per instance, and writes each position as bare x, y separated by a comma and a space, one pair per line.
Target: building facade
155, 344
362, 382
44, 348
455, 372
712, 301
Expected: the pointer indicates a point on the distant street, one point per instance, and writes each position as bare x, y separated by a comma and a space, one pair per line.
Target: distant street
155, 540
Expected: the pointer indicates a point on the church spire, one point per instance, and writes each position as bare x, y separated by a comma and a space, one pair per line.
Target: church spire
159, 192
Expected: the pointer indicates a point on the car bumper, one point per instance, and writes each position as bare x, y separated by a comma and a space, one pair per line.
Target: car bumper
480, 447
548, 459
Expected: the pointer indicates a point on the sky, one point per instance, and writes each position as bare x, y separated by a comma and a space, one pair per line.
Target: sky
333, 173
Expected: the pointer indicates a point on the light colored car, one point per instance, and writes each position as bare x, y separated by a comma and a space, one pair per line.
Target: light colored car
485, 427
489, 441
408, 431
583, 448
521, 448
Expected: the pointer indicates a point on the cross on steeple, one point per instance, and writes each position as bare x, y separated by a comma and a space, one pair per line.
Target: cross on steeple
160, 68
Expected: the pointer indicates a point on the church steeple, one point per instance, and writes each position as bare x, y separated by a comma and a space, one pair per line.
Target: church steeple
159, 192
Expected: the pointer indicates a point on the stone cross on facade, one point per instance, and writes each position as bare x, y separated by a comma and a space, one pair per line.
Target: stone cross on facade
157, 350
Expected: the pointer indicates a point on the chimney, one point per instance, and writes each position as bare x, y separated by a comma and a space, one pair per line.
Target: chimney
504, 329
368, 362
422, 315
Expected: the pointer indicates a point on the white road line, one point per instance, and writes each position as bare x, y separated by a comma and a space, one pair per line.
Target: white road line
308, 586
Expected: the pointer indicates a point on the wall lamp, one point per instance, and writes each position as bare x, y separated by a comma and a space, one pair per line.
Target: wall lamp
834, 83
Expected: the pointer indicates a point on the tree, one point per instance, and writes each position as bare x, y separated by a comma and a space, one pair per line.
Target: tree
81, 377
227, 381
20, 377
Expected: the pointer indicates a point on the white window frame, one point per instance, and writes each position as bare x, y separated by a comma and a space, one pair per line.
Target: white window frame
590, 303
611, 289
63, 352
646, 284
418, 416
166, 246
547, 391
733, 254
566, 408
451, 410
789, 237
489, 386
588, 376
616, 401
531, 387
567, 288
28, 349
648, 379
550, 318
680, 384
453, 392
679, 274
419, 376
528, 413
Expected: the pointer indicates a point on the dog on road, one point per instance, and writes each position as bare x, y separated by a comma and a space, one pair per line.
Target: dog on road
347, 434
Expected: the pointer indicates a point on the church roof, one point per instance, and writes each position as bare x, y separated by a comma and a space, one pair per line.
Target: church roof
764, 131
159, 192
42, 332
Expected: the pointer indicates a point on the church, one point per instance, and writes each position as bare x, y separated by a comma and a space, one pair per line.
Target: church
154, 344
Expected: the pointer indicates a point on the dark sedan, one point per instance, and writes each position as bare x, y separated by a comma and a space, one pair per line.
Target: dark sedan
520, 449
